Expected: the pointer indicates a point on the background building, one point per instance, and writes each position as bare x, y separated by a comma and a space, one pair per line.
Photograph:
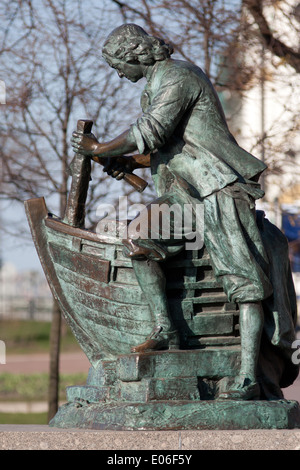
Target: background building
264, 117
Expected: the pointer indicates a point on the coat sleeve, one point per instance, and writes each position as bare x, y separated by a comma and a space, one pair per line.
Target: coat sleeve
172, 98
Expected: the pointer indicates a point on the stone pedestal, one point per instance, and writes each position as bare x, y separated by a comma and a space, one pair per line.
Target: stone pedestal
175, 415
146, 443
169, 390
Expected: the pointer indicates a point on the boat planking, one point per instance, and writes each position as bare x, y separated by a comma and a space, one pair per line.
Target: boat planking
99, 296
96, 287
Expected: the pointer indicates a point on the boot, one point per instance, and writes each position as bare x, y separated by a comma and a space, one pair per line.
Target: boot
158, 339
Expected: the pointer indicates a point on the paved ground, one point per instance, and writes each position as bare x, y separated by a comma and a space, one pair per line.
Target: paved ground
34, 363
35, 437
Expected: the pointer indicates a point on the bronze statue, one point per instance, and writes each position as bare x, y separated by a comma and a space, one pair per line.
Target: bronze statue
193, 158
185, 336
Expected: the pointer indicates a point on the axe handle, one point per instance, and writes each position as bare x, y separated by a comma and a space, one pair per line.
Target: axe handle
85, 126
135, 181
81, 174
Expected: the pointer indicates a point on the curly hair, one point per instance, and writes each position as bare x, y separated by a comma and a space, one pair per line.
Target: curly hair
132, 44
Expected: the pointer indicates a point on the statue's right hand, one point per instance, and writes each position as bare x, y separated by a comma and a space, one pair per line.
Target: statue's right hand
117, 167
86, 144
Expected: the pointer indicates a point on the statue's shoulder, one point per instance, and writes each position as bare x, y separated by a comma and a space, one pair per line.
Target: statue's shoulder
180, 66
175, 71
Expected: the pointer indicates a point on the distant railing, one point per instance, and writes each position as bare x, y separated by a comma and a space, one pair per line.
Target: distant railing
20, 308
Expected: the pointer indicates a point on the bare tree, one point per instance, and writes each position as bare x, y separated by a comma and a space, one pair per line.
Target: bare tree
50, 60
277, 42
51, 63
272, 31
245, 47
200, 30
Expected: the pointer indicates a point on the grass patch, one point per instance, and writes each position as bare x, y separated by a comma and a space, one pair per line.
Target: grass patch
34, 387
23, 418
30, 336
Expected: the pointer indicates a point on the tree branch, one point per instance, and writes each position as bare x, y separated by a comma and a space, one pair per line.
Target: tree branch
277, 47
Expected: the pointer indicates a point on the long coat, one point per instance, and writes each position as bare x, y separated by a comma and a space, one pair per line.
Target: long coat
183, 124
184, 121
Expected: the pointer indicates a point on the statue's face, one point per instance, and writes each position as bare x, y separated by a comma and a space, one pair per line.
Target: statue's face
132, 72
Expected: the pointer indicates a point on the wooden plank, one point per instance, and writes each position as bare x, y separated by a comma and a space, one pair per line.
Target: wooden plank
36, 211
113, 339
194, 285
214, 341
122, 325
207, 299
126, 294
110, 236
112, 309
212, 324
88, 265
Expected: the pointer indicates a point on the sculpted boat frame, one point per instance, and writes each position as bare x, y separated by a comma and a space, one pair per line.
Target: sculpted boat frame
99, 295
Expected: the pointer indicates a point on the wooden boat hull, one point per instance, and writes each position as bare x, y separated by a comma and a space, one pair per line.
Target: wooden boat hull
102, 302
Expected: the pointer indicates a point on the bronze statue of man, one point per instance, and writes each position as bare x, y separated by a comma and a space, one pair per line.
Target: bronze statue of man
194, 159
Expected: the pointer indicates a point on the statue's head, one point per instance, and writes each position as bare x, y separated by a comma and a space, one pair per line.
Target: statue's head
131, 44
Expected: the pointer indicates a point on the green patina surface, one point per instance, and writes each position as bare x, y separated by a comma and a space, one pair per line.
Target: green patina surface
136, 392
174, 415
117, 295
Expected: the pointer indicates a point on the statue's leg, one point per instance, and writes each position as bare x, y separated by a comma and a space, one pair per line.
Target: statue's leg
239, 258
152, 281
147, 247
251, 325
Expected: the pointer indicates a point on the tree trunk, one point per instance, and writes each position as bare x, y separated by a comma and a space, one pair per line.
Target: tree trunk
53, 391
55, 333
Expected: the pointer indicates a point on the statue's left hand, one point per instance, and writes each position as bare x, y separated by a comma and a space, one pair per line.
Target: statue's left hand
84, 144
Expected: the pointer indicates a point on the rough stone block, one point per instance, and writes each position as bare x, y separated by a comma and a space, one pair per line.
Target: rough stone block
183, 388
87, 393
104, 374
212, 324
184, 415
208, 362
133, 367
